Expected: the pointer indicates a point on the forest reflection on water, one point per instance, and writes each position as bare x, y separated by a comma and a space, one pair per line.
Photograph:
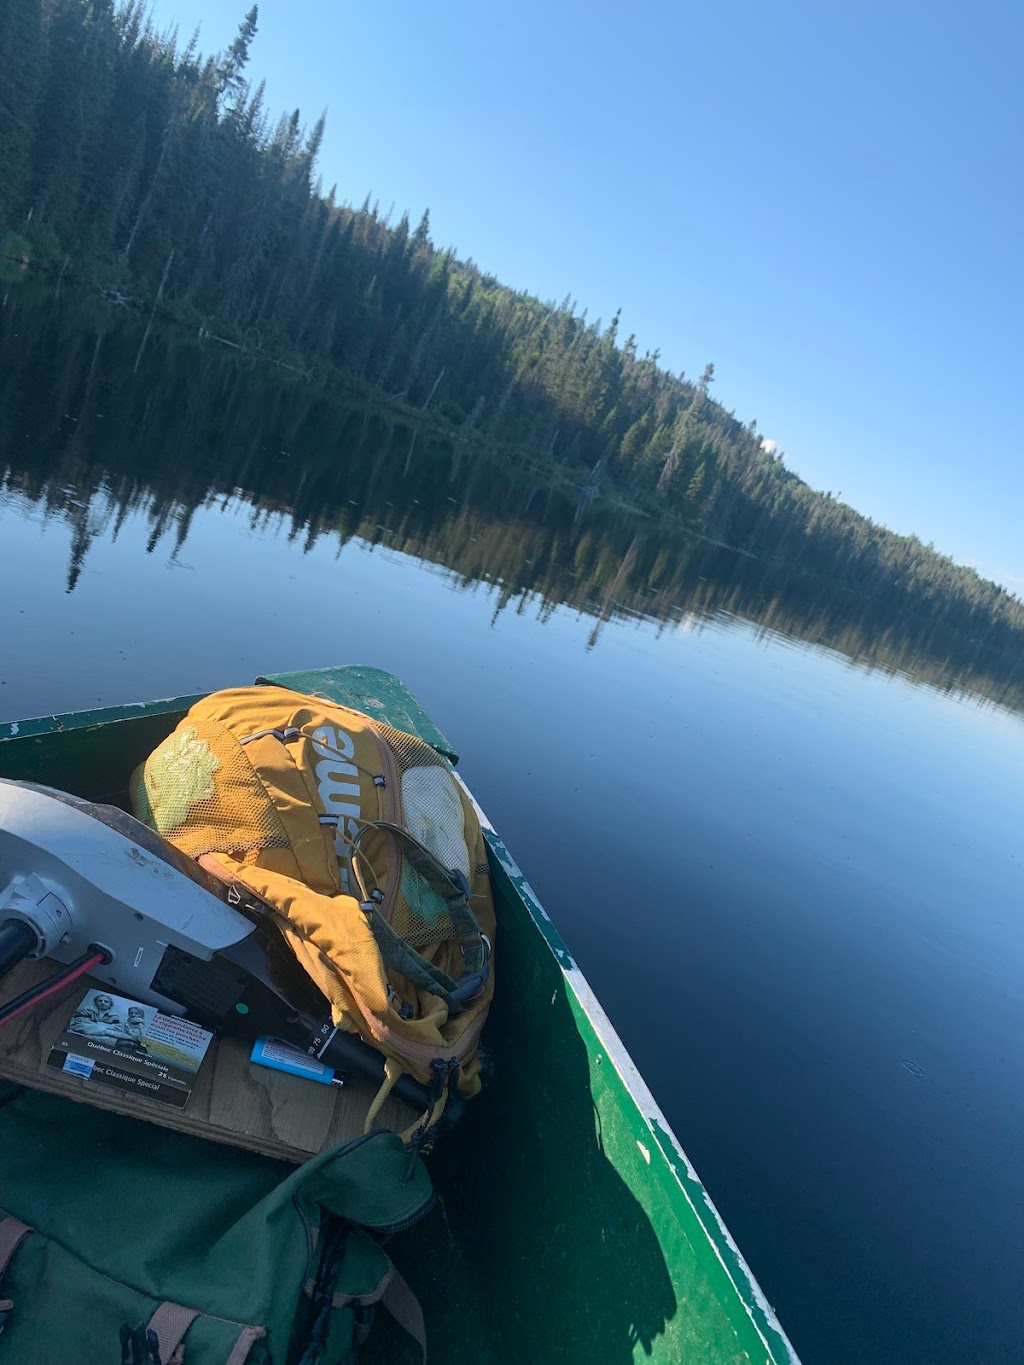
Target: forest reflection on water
102, 416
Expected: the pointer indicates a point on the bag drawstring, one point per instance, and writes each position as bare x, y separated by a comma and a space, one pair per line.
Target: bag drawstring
392, 1075
333, 1244
420, 1138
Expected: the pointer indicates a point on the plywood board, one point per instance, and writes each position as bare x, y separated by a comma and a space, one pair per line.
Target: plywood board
233, 1101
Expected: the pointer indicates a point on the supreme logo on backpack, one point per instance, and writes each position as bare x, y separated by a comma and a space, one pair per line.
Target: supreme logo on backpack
365, 848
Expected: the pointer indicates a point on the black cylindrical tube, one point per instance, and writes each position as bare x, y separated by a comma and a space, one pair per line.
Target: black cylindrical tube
345, 1052
17, 940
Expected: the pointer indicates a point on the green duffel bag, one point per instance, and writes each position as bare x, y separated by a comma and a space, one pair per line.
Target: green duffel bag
121, 1241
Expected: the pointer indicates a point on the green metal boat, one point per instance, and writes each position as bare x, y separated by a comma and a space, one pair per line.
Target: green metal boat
576, 1229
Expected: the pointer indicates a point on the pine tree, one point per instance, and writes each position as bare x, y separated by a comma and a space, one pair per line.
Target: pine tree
230, 68
21, 71
683, 430
421, 237
59, 150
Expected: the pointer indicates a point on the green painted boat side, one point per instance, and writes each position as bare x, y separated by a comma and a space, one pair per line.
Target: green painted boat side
574, 1227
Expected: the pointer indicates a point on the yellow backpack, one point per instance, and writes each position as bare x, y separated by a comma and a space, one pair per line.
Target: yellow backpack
360, 841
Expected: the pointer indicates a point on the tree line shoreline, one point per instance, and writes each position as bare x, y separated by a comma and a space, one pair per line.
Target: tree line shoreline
157, 173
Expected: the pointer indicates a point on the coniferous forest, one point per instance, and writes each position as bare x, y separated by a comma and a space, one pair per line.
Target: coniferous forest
131, 162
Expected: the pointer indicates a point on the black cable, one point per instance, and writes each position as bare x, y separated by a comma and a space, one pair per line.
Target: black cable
90, 958
17, 940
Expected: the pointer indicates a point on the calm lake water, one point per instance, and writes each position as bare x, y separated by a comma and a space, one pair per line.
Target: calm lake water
781, 835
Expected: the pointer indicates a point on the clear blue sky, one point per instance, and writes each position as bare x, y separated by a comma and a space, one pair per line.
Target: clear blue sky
825, 200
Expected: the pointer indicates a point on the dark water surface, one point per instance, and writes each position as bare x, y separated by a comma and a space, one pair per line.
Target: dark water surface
781, 834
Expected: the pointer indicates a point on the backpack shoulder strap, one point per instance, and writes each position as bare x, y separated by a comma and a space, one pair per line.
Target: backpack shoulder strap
454, 891
393, 1293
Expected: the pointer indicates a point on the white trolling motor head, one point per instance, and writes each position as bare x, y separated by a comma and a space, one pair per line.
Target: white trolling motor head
79, 875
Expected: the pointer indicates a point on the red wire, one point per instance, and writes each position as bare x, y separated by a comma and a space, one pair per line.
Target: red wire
56, 986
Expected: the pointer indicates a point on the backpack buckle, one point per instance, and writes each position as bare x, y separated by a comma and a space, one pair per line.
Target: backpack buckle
139, 1345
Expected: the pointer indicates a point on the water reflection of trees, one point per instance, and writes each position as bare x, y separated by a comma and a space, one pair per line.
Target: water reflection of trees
94, 427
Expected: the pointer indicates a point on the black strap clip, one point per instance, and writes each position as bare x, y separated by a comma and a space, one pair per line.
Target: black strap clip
139, 1345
